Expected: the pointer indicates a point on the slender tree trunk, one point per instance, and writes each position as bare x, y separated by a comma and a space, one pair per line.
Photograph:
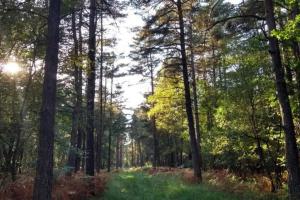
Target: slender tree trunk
83, 162
109, 150
90, 96
188, 102
194, 86
287, 116
153, 121
44, 169
101, 127
214, 57
194, 80
141, 159
117, 152
175, 150
110, 124
121, 153
181, 151
15, 140
73, 140
76, 110
105, 97
132, 152
136, 155
296, 51
81, 133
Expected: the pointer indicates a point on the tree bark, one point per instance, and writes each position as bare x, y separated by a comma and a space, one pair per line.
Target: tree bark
77, 88
291, 150
105, 98
132, 152
117, 152
153, 121
44, 170
110, 123
141, 158
101, 124
296, 51
121, 152
80, 133
188, 102
90, 96
194, 86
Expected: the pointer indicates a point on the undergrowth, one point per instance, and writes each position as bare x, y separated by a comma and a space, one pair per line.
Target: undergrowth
75, 187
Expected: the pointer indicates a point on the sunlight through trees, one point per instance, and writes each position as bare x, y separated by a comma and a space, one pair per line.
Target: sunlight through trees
221, 95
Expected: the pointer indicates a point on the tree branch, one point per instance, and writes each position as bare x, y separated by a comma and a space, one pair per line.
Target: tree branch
235, 17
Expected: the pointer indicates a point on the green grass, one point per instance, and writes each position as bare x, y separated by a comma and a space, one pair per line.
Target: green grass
142, 186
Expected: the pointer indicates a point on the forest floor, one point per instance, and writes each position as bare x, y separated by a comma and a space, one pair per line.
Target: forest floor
162, 183
66, 187
175, 184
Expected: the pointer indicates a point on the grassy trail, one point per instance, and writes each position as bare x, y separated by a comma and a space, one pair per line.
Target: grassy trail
142, 186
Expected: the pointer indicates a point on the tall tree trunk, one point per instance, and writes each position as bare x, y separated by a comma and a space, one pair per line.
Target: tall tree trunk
101, 124
188, 103
80, 131
105, 98
76, 109
90, 96
287, 116
153, 120
194, 85
44, 169
296, 51
16, 127
110, 123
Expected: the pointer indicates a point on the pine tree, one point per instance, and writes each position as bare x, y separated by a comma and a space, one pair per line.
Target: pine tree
44, 170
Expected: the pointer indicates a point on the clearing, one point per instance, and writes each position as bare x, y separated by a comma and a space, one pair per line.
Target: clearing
139, 185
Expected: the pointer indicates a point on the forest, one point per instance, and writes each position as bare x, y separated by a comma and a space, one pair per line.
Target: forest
220, 116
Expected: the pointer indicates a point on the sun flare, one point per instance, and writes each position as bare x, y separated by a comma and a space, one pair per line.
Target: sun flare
11, 68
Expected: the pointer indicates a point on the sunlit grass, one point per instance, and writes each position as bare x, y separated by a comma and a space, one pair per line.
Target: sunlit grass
142, 186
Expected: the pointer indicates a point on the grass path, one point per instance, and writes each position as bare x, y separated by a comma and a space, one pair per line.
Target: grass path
142, 186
